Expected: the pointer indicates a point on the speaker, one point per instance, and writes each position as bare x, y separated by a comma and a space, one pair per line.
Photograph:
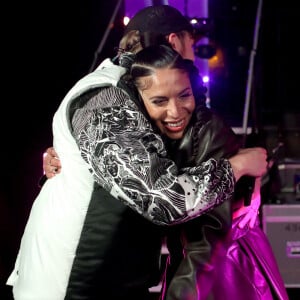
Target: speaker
281, 224
289, 177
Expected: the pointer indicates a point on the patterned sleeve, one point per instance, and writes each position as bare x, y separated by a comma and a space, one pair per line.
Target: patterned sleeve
129, 160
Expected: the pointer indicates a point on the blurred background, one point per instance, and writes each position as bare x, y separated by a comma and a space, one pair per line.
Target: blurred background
247, 52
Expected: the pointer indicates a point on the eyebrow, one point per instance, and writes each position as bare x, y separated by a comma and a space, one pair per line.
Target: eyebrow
158, 98
165, 97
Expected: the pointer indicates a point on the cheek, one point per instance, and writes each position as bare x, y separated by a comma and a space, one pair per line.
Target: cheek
190, 106
154, 112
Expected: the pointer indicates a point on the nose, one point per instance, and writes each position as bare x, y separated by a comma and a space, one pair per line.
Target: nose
174, 109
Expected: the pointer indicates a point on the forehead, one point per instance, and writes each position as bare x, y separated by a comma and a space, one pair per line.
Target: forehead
164, 73
164, 80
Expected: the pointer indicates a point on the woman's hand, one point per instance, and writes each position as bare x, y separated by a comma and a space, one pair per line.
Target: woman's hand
51, 163
249, 161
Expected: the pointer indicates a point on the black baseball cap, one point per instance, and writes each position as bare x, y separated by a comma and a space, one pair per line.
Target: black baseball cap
160, 19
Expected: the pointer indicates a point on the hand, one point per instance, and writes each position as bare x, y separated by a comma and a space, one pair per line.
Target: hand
51, 163
250, 213
249, 161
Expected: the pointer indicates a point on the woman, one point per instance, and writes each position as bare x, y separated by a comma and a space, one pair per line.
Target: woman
215, 264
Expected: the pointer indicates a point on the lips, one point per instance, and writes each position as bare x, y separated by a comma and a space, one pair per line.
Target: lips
175, 126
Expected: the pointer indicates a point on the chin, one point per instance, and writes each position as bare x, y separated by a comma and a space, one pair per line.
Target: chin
174, 135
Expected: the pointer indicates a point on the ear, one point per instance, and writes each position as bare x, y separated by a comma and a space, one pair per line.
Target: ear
174, 41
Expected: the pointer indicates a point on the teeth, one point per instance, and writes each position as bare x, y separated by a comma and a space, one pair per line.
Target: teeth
176, 124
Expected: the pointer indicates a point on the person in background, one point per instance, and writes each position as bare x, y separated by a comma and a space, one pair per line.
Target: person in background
87, 99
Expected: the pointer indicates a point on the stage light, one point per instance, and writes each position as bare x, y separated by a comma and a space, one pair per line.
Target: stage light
205, 79
126, 20
202, 26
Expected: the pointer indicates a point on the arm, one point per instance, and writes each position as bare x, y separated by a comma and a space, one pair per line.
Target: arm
154, 187
210, 137
127, 158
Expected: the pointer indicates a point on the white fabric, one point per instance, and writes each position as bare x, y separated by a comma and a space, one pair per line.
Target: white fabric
52, 232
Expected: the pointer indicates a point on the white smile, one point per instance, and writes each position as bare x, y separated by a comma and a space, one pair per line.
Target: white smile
177, 124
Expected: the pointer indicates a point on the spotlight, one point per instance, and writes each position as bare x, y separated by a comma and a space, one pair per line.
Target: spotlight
202, 26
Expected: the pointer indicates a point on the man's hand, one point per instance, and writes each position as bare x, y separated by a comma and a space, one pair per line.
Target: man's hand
51, 163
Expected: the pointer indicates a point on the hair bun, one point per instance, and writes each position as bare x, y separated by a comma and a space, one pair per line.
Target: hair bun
126, 60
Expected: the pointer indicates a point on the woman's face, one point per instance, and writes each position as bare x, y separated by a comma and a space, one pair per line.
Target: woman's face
169, 100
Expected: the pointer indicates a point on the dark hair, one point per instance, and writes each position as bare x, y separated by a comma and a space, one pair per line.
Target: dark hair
134, 41
145, 62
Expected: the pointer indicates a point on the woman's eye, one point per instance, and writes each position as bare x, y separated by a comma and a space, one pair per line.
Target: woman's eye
186, 95
159, 101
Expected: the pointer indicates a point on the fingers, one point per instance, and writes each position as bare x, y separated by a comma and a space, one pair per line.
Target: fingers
251, 212
51, 163
239, 212
51, 151
258, 161
249, 161
50, 170
50, 174
249, 218
253, 218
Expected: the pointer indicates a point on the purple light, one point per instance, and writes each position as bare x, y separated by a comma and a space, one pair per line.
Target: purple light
194, 8
205, 78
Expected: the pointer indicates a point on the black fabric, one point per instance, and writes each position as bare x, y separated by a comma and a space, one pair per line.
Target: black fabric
219, 260
118, 254
81, 101
208, 136
197, 246
119, 251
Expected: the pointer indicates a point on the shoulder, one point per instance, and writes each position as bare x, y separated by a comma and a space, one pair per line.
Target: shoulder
102, 97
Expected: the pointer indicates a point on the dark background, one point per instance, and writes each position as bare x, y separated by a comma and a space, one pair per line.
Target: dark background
48, 46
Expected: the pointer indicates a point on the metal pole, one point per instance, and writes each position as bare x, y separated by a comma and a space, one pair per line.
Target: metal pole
105, 36
250, 70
